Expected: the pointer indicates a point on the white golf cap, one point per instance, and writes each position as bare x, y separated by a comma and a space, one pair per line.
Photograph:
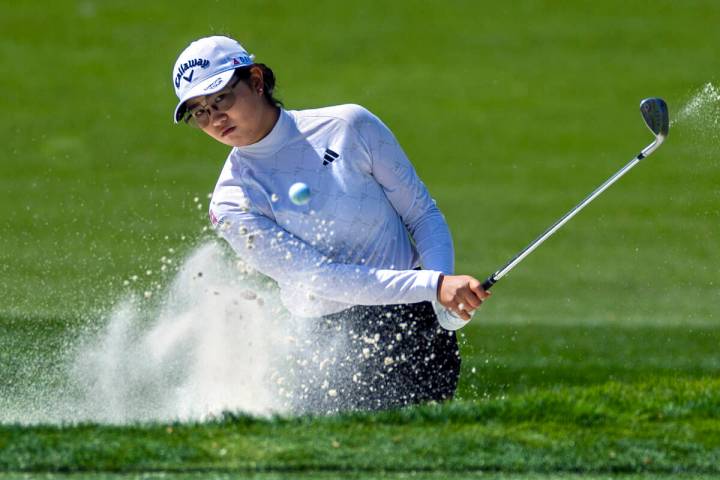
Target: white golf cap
204, 68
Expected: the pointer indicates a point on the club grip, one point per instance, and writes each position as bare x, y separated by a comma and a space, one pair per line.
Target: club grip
489, 282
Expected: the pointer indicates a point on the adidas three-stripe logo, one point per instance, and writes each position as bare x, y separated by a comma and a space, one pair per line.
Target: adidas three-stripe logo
330, 156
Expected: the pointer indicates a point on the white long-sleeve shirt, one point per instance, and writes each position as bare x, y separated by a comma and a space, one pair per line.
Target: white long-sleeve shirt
369, 223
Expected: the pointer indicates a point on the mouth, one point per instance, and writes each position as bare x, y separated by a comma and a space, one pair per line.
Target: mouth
227, 131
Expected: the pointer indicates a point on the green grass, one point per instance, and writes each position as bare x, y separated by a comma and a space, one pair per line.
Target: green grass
659, 426
348, 475
604, 340
532, 399
501, 359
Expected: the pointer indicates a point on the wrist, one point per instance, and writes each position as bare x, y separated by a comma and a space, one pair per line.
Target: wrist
439, 285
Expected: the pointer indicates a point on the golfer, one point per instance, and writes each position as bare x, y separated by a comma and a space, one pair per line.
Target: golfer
363, 260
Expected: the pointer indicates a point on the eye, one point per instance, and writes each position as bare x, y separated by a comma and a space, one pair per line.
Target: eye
219, 98
197, 113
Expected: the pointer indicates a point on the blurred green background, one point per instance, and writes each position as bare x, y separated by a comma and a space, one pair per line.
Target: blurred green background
511, 112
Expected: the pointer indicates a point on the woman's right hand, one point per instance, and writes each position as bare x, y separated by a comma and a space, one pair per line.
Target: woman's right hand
461, 294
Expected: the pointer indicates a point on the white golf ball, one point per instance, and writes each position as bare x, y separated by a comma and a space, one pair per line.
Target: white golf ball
299, 193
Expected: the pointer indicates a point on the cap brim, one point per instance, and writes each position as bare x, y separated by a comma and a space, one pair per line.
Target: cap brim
206, 87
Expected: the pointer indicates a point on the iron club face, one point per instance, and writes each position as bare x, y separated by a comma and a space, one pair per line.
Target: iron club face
655, 114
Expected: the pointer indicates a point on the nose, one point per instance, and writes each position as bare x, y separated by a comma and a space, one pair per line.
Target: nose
216, 116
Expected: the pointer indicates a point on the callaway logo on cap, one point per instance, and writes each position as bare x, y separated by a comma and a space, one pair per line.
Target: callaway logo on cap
204, 68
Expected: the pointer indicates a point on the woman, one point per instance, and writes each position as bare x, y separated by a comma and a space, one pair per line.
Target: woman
350, 258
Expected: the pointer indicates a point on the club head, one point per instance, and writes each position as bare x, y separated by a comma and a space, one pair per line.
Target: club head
655, 114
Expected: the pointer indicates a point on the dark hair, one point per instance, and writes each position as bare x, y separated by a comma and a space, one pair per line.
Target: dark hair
243, 73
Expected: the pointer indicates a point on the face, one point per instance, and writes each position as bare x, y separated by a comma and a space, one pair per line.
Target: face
236, 123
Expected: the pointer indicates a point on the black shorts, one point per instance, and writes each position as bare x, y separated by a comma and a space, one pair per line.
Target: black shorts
373, 358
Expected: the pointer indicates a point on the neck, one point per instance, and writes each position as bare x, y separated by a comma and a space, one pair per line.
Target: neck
268, 120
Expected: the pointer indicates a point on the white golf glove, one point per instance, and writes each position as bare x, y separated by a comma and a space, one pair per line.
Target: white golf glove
447, 319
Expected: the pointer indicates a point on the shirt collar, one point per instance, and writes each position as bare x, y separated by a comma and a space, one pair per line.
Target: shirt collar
280, 134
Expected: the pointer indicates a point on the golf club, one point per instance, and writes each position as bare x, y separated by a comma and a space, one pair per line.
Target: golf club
655, 114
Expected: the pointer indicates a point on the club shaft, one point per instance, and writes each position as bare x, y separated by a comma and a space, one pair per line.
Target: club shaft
495, 277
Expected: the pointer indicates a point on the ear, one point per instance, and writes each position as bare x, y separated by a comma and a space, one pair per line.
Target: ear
256, 78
